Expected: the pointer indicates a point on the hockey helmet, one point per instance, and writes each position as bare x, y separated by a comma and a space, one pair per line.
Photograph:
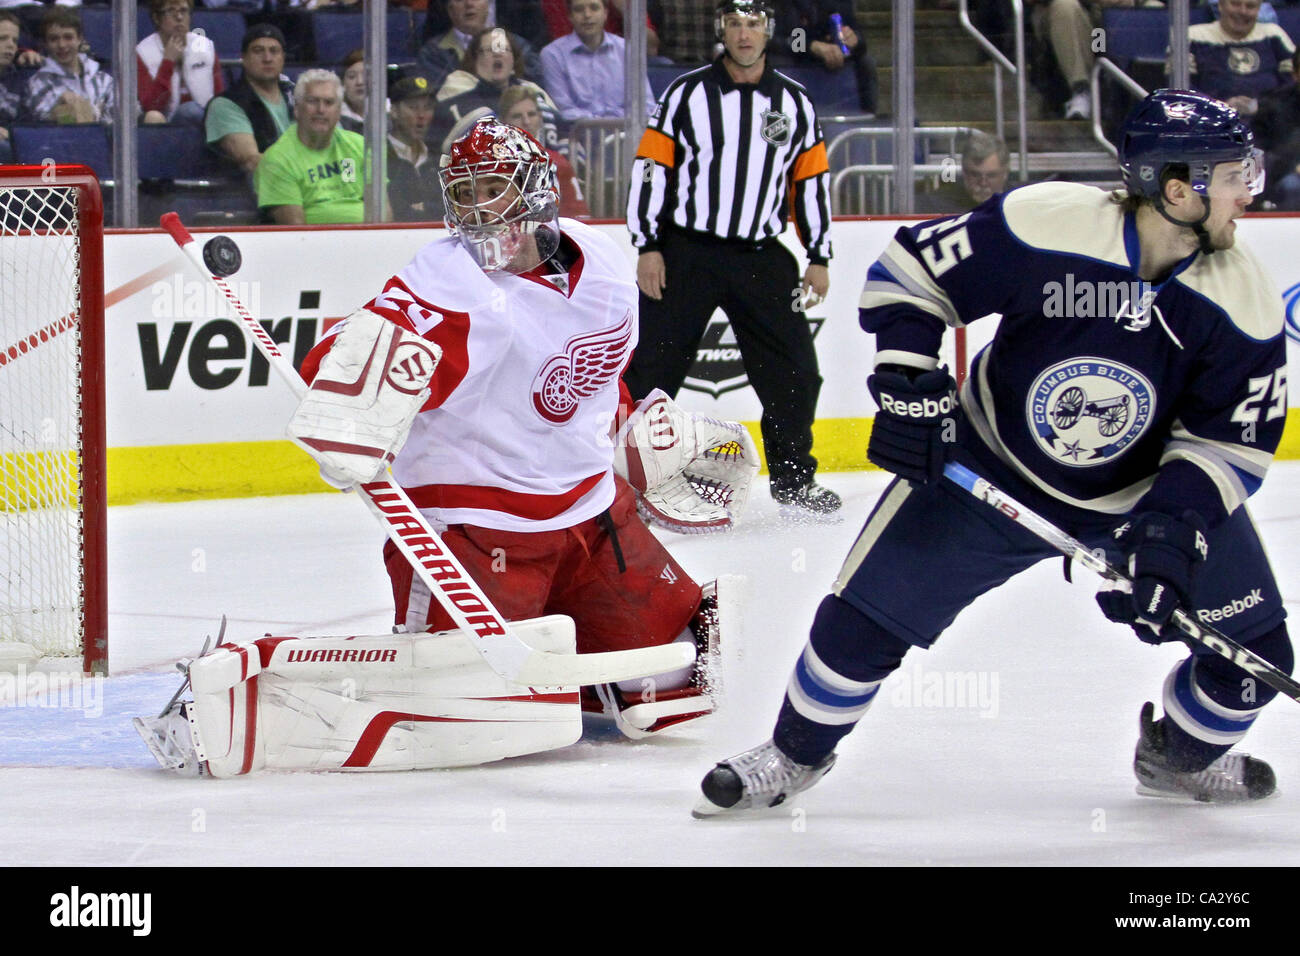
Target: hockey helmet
499, 188
1192, 129
751, 8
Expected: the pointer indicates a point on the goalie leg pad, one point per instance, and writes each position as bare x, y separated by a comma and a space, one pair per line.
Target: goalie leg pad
355, 417
391, 702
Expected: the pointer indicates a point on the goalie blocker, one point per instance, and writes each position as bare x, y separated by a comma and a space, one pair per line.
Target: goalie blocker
358, 411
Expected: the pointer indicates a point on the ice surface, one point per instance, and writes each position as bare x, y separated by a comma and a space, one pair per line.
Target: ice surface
1032, 768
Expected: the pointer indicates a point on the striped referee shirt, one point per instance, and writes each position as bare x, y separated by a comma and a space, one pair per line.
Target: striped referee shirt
733, 160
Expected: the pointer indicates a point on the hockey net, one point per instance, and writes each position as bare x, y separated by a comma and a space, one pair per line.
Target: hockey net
52, 503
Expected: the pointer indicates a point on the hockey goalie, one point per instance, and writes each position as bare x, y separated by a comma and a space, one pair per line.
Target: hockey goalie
487, 374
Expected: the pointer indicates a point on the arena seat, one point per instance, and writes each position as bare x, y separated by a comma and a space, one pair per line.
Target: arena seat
97, 30
1141, 33
336, 33
225, 28
176, 152
1288, 18
85, 143
661, 74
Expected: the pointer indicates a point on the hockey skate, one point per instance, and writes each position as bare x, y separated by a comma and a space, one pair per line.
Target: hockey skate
170, 740
642, 715
808, 501
758, 779
1233, 778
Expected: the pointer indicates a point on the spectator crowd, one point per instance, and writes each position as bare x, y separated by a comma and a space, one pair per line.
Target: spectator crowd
287, 140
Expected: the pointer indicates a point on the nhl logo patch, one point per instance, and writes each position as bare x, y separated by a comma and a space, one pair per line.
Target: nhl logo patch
1087, 411
776, 127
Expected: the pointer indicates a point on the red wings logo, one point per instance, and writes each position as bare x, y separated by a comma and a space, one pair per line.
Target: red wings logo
587, 364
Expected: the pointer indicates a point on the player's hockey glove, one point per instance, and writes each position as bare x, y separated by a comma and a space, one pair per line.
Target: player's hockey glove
1163, 555
914, 429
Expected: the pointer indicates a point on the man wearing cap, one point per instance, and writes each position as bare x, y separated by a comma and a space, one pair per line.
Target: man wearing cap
246, 119
414, 191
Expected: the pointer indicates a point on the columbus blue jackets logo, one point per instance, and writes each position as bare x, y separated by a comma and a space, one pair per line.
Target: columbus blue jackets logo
1088, 410
1291, 297
1243, 60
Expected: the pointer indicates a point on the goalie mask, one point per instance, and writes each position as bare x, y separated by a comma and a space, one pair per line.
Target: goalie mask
501, 196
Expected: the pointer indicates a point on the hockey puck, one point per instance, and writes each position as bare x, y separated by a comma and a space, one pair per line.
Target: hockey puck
221, 256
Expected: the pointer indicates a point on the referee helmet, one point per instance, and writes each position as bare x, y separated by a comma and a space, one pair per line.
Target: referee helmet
750, 8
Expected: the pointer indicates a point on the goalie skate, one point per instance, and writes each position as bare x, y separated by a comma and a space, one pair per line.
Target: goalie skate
757, 779
639, 715
171, 741
1233, 778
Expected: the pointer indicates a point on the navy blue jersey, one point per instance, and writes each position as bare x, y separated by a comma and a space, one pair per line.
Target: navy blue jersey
1098, 389
1224, 67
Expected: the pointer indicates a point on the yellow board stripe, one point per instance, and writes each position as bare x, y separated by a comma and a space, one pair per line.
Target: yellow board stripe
225, 470
244, 469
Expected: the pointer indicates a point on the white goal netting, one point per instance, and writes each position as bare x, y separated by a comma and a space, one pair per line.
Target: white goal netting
41, 446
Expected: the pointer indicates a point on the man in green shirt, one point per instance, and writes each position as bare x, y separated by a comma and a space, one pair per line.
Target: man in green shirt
315, 172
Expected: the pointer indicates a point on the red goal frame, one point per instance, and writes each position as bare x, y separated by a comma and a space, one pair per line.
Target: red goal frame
93, 471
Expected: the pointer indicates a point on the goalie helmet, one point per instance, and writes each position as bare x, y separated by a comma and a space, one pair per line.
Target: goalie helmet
500, 190
1180, 127
750, 8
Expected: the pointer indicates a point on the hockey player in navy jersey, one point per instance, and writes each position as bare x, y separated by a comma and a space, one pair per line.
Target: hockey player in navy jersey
1134, 393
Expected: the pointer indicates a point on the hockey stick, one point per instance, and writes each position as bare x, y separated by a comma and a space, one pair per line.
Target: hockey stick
436, 566
1201, 634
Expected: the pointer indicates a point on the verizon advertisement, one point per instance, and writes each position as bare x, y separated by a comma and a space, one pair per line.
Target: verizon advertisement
181, 372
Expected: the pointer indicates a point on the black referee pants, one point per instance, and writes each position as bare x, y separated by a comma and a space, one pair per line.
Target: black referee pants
756, 286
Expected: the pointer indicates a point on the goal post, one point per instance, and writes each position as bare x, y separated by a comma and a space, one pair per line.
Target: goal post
53, 514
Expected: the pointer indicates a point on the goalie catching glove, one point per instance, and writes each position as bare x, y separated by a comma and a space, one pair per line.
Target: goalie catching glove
373, 381
691, 473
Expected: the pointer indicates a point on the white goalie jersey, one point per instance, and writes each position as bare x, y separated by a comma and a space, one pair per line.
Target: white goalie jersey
516, 434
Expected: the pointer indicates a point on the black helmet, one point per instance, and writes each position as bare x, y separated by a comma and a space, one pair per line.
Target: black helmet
753, 8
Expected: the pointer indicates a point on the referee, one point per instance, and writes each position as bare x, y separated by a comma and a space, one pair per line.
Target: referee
731, 150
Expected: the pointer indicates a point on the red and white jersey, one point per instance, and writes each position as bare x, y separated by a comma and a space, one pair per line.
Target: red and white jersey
516, 435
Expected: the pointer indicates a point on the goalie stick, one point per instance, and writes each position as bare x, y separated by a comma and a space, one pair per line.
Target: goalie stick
1192, 632
435, 565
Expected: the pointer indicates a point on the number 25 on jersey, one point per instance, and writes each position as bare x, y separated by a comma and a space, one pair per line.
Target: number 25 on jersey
952, 246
